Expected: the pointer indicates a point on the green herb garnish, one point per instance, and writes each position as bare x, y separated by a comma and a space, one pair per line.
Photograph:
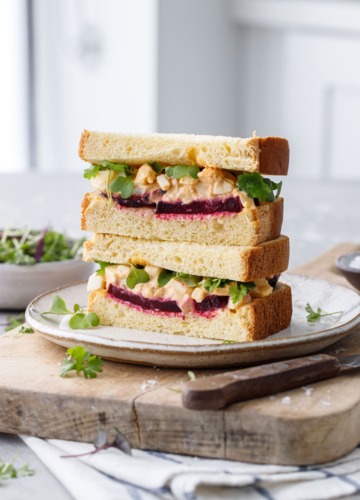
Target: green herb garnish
157, 167
238, 290
14, 320
316, 315
9, 471
165, 276
122, 185
81, 360
25, 246
179, 171
103, 265
258, 187
79, 318
189, 279
24, 330
135, 276
93, 170
211, 284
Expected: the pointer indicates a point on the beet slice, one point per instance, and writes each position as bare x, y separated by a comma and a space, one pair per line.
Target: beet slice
211, 302
156, 305
231, 204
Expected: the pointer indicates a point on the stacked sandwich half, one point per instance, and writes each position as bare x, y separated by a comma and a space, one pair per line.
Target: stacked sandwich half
187, 234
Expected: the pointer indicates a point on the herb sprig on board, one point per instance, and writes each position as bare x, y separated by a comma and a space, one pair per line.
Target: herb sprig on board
81, 361
28, 246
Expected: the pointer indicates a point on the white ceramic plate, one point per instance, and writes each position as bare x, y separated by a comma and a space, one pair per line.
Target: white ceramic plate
159, 349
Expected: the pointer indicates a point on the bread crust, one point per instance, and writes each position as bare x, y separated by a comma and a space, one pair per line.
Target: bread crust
268, 155
239, 263
254, 321
250, 227
274, 156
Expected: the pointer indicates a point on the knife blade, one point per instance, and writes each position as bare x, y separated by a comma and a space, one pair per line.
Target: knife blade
217, 391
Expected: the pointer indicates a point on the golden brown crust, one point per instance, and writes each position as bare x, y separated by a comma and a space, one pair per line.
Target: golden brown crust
254, 321
83, 139
250, 227
271, 314
274, 156
84, 205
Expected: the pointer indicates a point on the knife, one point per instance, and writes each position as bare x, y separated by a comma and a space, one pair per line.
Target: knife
217, 391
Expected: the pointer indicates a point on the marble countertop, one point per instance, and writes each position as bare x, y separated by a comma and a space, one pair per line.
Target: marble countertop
317, 216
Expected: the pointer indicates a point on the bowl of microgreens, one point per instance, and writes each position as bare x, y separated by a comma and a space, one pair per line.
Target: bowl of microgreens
35, 261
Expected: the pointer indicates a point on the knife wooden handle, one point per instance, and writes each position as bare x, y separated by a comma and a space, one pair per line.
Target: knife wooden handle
217, 391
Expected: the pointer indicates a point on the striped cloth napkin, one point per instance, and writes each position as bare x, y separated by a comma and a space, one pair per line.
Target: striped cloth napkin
147, 475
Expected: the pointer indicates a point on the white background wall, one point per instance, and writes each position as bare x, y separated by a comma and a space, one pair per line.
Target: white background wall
13, 86
96, 69
280, 67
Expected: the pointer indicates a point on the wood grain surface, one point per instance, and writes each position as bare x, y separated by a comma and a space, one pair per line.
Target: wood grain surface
304, 426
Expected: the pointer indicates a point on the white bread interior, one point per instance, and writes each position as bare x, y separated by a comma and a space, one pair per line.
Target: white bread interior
256, 320
239, 263
249, 227
268, 155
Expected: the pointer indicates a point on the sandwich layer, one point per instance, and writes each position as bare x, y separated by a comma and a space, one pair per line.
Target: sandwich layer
239, 263
250, 227
253, 321
269, 155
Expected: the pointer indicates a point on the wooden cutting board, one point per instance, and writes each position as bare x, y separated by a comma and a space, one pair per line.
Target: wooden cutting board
308, 425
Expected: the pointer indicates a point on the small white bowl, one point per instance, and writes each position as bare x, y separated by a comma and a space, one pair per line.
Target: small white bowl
20, 284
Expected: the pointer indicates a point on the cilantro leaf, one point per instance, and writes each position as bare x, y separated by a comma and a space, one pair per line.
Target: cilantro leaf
103, 265
179, 171
82, 320
122, 185
189, 279
211, 284
316, 315
258, 187
136, 276
58, 306
165, 276
81, 360
238, 290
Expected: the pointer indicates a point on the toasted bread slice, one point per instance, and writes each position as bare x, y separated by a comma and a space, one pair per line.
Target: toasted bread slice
250, 227
253, 321
268, 155
227, 262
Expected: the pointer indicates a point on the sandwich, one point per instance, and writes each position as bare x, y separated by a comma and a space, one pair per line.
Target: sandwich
191, 289
184, 187
187, 234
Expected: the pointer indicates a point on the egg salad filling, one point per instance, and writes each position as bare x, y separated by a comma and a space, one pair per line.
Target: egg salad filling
158, 290
181, 188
